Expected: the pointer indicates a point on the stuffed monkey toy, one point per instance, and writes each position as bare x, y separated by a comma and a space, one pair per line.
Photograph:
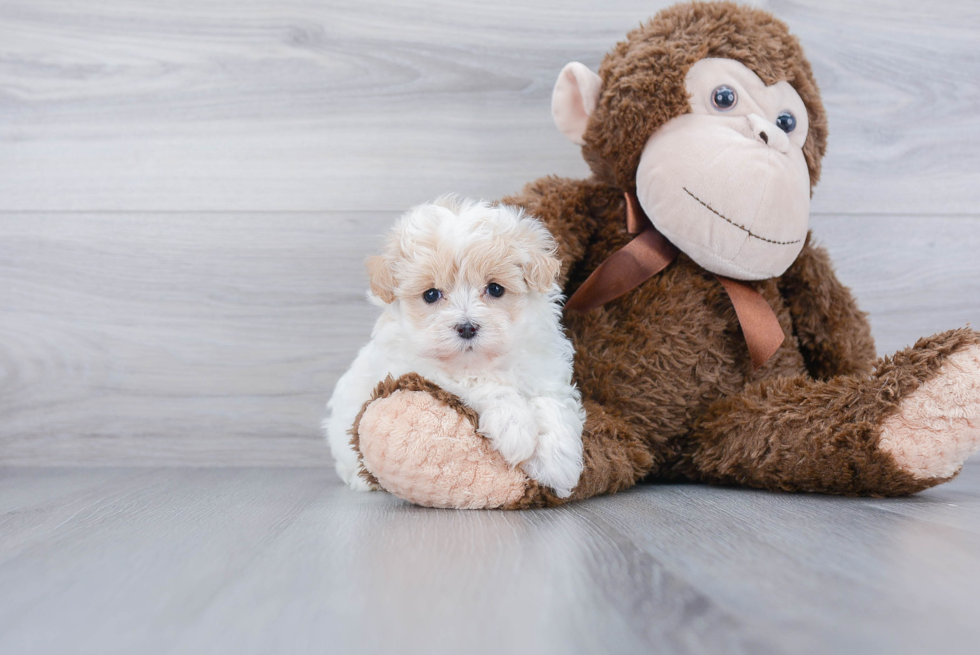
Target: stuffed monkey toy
713, 341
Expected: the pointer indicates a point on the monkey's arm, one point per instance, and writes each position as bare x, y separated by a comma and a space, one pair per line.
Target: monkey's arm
834, 335
571, 209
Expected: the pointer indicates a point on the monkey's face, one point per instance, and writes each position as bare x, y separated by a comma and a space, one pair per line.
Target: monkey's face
728, 183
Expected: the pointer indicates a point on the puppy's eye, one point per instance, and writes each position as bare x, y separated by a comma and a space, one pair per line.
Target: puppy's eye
786, 122
724, 98
431, 295
495, 290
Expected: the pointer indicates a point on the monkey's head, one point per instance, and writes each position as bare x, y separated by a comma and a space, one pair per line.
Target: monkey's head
710, 114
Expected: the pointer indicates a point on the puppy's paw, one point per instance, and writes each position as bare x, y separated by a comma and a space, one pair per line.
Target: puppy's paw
357, 483
511, 429
349, 474
557, 461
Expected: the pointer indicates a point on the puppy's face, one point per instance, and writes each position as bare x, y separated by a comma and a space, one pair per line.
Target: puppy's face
463, 275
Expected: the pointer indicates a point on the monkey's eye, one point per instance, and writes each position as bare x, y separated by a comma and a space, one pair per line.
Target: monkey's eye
786, 122
431, 295
724, 98
495, 290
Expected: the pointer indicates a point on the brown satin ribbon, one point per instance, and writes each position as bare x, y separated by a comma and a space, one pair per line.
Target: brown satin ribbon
648, 254
763, 334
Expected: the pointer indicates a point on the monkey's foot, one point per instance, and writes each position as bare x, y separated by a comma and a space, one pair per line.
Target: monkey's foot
938, 425
420, 443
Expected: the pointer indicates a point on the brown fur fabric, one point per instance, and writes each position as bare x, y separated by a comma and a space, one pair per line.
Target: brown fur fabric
818, 311
643, 80
793, 434
665, 375
663, 370
669, 389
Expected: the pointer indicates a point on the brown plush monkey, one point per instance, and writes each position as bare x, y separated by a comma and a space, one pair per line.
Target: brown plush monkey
705, 128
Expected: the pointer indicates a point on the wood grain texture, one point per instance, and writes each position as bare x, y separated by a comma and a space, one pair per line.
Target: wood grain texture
914, 275
253, 560
208, 339
309, 105
194, 316
177, 338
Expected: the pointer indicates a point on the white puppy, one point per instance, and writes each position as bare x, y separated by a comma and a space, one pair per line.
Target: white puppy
470, 303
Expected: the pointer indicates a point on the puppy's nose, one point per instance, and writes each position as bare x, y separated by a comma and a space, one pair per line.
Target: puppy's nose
467, 330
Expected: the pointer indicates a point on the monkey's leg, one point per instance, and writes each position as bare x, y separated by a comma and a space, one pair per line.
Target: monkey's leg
616, 457
906, 427
420, 443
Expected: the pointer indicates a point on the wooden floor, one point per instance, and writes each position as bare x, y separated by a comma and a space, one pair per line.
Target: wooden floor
286, 560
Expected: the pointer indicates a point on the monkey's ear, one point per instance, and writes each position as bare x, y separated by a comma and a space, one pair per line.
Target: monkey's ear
382, 278
574, 99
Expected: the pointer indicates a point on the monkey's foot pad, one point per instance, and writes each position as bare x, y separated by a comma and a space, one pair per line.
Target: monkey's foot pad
420, 443
938, 426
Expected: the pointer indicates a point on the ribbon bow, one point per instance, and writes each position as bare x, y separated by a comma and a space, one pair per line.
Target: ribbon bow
648, 254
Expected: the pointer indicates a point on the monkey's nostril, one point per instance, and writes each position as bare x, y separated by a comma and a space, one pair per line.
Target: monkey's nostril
467, 330
764, 137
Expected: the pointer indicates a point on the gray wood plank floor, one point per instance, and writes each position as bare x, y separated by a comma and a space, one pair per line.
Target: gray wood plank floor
285, 560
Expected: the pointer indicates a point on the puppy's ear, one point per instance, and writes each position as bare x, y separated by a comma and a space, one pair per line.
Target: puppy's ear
382, 278
541, 266
542, 271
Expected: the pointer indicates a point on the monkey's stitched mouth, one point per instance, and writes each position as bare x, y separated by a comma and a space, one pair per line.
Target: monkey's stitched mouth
741, 227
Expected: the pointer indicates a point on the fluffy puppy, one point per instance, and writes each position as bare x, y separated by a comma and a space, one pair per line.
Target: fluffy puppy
470, 302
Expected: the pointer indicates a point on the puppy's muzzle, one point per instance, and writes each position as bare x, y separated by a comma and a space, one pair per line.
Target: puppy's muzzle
467, 330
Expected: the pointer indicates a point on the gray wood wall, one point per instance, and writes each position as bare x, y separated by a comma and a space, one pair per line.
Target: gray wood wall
188, 190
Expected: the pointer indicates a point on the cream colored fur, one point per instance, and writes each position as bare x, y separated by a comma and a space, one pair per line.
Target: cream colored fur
516, 372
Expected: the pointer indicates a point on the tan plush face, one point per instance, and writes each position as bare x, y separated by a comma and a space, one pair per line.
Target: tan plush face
727, 183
